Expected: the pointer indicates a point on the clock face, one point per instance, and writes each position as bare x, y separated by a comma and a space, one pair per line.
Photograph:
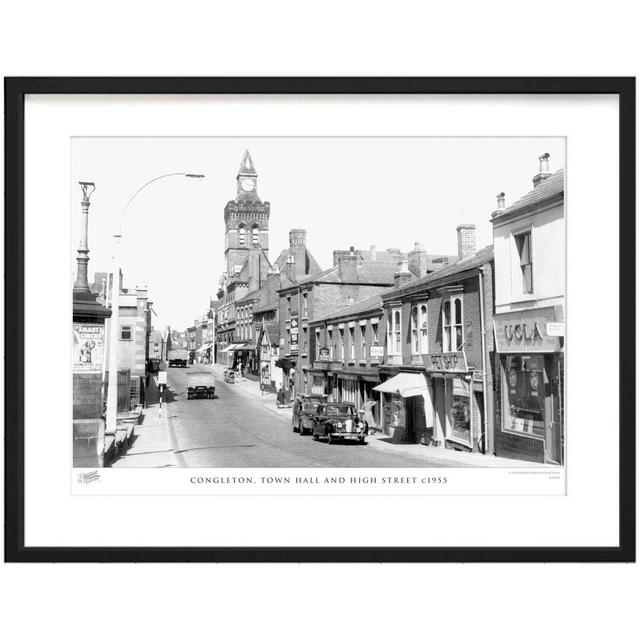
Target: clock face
247, 184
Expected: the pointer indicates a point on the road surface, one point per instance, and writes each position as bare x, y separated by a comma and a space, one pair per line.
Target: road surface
239, 429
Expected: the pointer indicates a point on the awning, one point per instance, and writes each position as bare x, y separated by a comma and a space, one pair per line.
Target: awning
244, 347
204, 347
404, 384
227, 349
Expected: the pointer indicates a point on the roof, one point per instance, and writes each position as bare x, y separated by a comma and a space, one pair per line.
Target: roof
357, 308
366, 273
475, 260
548, 190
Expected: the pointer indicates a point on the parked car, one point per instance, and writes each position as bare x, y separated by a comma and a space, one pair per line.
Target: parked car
338, 421
305, 408
200, 385
230, 376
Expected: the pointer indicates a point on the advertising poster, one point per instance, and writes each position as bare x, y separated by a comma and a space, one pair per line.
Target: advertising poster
88, 347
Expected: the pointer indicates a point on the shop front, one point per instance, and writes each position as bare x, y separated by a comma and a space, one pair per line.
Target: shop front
457, 397
405, 403
529, 406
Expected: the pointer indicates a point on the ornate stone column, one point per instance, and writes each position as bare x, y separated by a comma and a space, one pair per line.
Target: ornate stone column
82, 279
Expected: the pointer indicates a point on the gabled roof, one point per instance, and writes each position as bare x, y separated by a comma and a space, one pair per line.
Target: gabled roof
550, 189
373, 303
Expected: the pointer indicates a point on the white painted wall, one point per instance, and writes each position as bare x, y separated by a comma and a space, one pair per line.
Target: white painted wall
548, 249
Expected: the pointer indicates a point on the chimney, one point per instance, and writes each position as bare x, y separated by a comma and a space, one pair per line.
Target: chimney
402, 275
298, 253
544, 172
372, 253
348, 266
466, 240
501, 207
418, 260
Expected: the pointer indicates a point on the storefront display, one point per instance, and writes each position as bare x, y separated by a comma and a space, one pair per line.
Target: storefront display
524, 407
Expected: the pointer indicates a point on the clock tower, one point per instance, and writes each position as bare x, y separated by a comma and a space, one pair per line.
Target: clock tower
246, 220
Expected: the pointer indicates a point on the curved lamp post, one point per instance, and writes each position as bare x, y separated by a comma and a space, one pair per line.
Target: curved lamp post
112, 393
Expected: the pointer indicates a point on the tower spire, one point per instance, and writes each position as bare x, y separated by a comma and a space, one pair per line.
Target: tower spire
246, 166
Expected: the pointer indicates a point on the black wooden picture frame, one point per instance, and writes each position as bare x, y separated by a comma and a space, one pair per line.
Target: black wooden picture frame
15, 91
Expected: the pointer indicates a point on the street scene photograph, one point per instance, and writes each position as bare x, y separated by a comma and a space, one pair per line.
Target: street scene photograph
293, 302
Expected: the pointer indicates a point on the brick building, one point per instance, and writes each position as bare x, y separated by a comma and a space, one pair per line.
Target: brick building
529, 244
355, 276
436, 378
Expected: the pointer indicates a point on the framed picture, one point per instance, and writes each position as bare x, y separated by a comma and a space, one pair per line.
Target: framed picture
320, 319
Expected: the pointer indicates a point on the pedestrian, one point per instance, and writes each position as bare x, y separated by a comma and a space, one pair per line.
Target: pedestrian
280, 396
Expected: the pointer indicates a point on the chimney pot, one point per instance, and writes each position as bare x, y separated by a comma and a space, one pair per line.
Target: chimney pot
544, 172
373, 252
500, 198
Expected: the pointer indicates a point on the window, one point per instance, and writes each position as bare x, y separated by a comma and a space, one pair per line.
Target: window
374, 330
330, 341
126, 332
241, 235
305, 334
452, 324
352, 343
394, 345
524, 384
317, 343
342, 344
304, 305
255, 235
363, 341
396, 333
523, 245
424, 342
415, 336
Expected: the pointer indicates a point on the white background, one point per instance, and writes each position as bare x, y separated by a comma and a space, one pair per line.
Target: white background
490, 38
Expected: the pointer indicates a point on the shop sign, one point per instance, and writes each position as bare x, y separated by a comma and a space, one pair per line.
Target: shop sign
323, 353
376, 351
294, 323
446, 362
535, 330
88, 347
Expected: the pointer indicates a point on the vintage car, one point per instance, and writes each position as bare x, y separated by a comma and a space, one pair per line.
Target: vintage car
305, 408
200, 385
338, 421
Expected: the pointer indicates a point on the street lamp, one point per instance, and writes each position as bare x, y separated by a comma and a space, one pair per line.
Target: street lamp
112, 393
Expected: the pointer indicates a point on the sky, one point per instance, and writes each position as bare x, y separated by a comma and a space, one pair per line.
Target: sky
387, 192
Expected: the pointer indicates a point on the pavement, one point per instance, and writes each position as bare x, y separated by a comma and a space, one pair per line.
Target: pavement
150, 445
243, 428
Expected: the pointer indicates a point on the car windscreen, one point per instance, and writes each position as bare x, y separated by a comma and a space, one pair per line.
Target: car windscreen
310, 406
336, 409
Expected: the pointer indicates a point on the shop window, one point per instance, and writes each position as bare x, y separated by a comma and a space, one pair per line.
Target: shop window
524, 397
523, 245
126, 332
460, 411
352, 343
242, 232
452, 324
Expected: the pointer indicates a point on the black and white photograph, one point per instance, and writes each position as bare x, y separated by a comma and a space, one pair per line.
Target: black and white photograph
332, 302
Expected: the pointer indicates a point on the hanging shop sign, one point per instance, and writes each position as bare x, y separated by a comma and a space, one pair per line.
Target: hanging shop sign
446, 362
376, 351
532, 331
88, 347
323, 353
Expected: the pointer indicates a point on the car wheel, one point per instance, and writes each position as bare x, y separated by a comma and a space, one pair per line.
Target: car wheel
315, 436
